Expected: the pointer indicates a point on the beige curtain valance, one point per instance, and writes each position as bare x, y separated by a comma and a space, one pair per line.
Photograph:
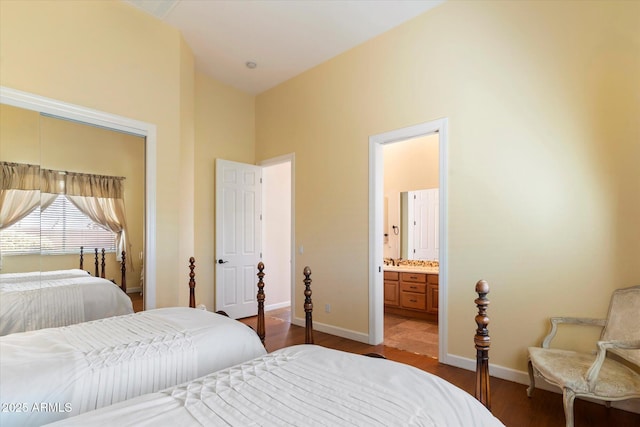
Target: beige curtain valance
101, 198
19, 176
22, 176
81, 184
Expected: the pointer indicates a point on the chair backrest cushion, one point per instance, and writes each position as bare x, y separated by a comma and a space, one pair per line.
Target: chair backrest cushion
623, 321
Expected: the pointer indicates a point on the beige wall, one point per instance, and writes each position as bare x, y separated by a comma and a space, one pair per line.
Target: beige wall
112, 57
224, 128
542, 102
187, 165
22, 128
115, 58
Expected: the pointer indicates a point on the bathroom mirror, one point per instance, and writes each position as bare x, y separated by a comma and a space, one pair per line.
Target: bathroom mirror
410, 165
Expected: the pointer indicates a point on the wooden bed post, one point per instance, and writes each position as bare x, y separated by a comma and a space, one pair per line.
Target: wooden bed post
97, 264
483, 342
192, 283
103, 264
308, 307
260, 297
81, 257
123, 270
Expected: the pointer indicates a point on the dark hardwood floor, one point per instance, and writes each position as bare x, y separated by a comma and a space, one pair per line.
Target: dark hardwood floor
137, 301
509, 400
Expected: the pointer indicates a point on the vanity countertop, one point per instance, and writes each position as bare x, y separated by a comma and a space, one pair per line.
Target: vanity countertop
411, 269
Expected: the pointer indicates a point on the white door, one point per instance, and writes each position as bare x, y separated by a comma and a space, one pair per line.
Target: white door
423, 219
238, 232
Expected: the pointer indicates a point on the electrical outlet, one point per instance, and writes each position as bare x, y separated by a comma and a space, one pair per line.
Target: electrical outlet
327, 308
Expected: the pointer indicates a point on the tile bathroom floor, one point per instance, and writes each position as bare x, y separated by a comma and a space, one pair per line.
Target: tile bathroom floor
413, 335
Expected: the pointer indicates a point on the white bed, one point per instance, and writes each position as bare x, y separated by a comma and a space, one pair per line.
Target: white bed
37, 300
70, 370
303, 385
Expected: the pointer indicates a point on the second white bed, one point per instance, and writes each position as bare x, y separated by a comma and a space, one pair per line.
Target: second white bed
37, 300
305, 386
77, 368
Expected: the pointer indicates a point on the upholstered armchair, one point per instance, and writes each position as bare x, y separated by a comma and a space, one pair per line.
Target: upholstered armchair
610, 373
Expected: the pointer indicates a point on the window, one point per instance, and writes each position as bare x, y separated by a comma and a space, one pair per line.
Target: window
60, 229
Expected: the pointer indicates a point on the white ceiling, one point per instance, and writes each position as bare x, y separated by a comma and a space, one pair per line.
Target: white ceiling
283, 37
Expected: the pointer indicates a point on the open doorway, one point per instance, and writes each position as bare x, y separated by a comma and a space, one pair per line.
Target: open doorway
377, 227
277, 232
411, 244
254, 220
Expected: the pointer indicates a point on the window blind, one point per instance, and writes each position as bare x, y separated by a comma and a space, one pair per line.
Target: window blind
60, 229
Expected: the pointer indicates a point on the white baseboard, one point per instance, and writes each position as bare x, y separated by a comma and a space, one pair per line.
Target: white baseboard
334, 330
277, 305
522, 377
134, 290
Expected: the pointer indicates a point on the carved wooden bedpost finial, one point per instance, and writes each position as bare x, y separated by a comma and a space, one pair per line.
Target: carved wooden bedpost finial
102, 263
81, 257
483, 342
260, 297
192, 283
123, 270
97, 264
308, 307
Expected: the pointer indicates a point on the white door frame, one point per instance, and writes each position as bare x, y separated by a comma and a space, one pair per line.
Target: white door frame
376, 230
291, 158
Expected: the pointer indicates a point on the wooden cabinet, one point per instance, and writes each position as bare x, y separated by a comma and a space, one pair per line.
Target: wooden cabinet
411, 294
413, 291
432, 294
391, 288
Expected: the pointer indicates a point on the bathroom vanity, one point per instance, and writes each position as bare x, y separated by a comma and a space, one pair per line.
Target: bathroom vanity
411, 291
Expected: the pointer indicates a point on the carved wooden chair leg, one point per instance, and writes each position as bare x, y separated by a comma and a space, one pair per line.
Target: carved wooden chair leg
568, 396
532, 380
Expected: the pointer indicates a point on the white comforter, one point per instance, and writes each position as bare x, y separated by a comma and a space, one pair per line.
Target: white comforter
37, 300
51, 374
302, 386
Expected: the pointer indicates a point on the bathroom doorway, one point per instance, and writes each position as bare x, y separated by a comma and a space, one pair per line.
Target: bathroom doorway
384, 250
411, 243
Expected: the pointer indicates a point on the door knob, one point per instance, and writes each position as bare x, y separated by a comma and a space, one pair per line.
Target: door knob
221, 261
